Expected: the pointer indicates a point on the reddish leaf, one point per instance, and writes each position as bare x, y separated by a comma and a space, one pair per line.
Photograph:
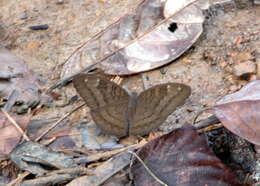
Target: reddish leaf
240, 112
181, 157
241, 117
250, 91
14, 75
10, 136
157, 33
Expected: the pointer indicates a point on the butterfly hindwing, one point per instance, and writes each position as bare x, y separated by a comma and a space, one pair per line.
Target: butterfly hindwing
107, 101
155, 104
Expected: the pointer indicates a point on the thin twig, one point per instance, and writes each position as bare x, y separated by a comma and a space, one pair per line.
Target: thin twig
18, 179
59, 176
210, 128
11, 101
144, 80
108, 154
16, 125
206, 122
196, 117
59, 121
148, 170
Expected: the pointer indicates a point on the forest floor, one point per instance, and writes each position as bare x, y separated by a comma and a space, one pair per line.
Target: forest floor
222, 61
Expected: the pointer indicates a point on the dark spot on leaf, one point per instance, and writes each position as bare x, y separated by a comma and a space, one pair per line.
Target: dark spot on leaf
173, 27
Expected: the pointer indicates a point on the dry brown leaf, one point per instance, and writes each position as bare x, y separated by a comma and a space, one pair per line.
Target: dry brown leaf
10, 135
241, 117
154, 35
104, 171
240, 112
250, 91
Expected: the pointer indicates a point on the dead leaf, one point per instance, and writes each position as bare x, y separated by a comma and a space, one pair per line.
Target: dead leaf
181, 157
240, 117
38, 159
121, 178
58, 176
16, 76
250, 91
240, 112
154, 35
10, 136
104, 171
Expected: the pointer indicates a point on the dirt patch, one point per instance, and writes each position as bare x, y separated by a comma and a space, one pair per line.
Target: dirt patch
224, 58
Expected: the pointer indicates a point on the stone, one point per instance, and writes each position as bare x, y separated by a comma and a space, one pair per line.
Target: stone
247, 67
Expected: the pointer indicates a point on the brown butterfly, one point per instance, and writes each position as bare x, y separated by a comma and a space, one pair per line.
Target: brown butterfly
119, 113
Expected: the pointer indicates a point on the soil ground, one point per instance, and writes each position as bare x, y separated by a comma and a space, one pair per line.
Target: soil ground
211, 67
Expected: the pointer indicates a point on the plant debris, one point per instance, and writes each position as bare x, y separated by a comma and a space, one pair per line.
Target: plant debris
181, 157
210, 46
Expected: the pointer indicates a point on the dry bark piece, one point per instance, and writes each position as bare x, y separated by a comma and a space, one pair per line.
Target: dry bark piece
38, 159
157, 33
181, 157
240, 117
104, 171
18, 78
58, 176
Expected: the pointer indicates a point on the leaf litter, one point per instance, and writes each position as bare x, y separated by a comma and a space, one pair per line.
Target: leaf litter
154, 35
15, 75
173, 72
240, 112
10, 135
180, 157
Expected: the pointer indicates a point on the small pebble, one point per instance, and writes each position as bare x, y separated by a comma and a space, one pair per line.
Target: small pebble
39, 27
24, 15
233, 88
244, 68
60, 2
223, 64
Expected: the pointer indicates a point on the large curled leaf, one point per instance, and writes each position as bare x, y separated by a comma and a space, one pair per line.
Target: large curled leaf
240, 112
250, 91
181, 157
241, 117
154, 35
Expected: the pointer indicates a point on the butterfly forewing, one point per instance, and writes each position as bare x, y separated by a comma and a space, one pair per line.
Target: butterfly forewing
155, 104
107, 101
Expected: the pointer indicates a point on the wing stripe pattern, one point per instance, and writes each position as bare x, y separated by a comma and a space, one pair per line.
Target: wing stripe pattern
107, 102
115, 112
163, 100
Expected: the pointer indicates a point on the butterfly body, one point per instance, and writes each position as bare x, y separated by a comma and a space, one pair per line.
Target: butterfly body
119, 113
